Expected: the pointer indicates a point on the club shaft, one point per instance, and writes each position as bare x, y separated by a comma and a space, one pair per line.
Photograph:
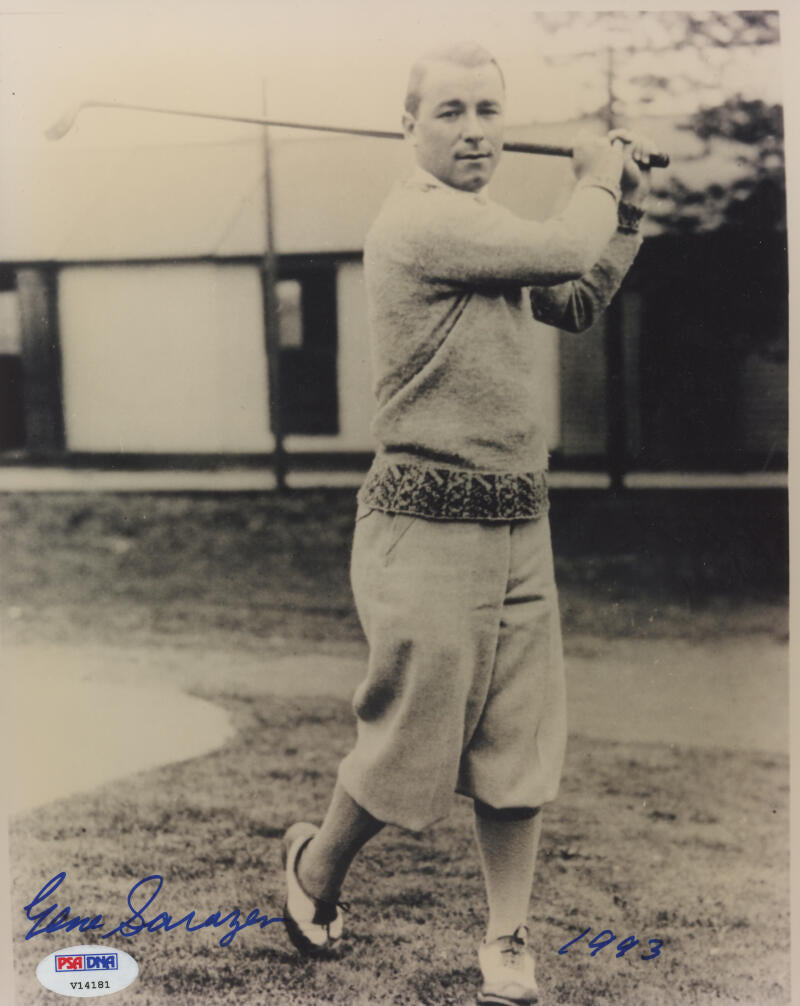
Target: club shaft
553, 150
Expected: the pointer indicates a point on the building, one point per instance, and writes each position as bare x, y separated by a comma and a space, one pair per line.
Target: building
132, 331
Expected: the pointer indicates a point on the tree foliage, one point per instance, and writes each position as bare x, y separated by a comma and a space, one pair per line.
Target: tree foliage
677, 63
752, 132
669, 29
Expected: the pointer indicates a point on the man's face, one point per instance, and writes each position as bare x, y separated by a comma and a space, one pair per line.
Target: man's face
458, 129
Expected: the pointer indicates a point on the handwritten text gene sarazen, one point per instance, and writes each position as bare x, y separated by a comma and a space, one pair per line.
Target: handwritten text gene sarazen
47, 918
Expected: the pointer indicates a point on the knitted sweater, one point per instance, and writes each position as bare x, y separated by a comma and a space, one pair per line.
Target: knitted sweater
453, 284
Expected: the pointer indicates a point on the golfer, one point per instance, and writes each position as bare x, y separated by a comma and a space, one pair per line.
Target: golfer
452, 568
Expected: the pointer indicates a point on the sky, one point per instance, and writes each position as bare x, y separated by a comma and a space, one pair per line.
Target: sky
330, 61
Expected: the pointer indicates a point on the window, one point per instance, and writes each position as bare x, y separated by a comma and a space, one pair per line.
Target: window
290, 313
308, 349
12, 418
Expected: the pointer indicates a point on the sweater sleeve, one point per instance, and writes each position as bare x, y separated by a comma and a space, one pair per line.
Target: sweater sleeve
575, 305
453, 239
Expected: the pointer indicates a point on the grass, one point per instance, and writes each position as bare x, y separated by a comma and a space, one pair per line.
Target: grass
245, 568
688, 846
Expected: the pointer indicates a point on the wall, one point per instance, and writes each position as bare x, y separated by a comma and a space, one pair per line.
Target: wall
163, 358
170, 358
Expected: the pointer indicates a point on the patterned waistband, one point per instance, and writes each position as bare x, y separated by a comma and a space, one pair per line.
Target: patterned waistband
454, 494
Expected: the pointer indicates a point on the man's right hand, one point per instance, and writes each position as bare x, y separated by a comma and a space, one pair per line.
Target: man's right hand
599, 158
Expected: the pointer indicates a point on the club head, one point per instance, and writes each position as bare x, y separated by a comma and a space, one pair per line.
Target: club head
63, 124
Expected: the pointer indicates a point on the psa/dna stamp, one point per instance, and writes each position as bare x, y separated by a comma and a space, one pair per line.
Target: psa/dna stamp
86, 971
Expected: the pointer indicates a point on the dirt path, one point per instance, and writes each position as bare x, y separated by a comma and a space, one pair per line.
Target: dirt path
76, 724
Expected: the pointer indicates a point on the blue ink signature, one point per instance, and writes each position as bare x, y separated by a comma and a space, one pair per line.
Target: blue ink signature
147, 887
603, 939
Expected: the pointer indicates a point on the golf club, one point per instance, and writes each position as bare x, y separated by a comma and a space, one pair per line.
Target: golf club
63, 125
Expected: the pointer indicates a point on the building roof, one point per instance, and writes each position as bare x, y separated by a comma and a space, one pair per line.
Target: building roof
66, 203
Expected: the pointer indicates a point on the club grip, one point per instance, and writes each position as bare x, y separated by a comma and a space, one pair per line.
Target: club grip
656, 160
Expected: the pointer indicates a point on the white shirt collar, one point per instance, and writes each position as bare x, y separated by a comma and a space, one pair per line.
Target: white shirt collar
423, 177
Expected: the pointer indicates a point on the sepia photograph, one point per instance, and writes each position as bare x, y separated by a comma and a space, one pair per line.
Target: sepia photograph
394, 504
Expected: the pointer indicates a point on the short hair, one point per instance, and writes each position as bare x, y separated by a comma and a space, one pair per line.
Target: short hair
469, 54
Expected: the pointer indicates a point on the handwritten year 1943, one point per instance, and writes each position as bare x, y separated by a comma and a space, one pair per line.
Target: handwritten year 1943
606, 937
